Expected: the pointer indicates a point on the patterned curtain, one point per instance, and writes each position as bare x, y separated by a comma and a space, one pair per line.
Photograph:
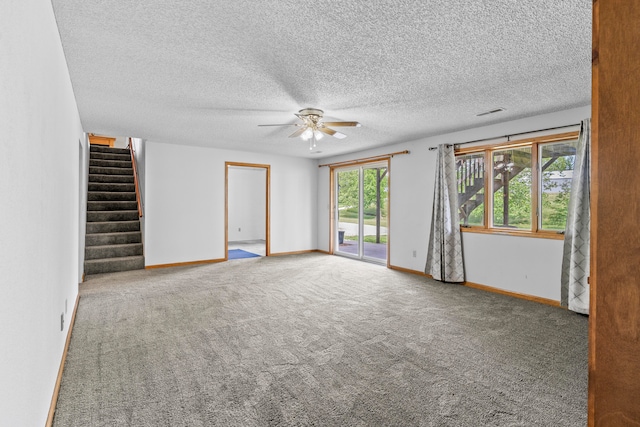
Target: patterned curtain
575, 259
444, 258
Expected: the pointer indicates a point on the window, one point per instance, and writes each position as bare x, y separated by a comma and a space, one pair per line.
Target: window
470, 172
512, 188
519, 187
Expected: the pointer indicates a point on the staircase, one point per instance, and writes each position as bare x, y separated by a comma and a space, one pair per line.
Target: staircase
470, 172
113, 240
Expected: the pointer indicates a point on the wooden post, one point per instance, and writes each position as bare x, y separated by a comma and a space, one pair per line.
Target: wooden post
614, 323
378, 179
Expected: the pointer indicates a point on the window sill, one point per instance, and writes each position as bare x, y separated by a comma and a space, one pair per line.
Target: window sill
502, 232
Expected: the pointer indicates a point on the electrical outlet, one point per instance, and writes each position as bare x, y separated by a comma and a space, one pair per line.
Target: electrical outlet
414, 253
62, 322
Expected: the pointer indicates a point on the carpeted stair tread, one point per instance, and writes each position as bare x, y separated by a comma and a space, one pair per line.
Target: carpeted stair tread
101, 196
113, 251
128, 179
111, 265
104, 149
101, 170
111, 156
118, 238
112, 226
112, 205
102, 216
108, 186
110, 163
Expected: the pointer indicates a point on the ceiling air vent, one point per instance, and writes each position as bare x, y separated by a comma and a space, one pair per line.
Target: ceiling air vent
496, 110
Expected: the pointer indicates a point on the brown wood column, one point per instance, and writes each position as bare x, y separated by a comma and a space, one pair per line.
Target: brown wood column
614, 330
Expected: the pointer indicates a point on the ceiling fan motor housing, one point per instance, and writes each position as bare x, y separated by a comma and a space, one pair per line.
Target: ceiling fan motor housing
311, 112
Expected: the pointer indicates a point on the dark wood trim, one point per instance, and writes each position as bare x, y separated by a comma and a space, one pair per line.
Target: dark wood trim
593, 238
56, 389
614, 319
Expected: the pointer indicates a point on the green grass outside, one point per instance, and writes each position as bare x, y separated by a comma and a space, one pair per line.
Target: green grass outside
367, 221
368, 239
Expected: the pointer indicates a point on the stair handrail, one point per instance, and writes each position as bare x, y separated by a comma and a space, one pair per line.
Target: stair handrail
135, 177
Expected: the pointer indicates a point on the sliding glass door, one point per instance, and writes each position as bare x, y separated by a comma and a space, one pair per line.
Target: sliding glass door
361, 211
348, 211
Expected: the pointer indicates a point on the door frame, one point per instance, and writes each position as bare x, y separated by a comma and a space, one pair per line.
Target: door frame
333, 203
267, 168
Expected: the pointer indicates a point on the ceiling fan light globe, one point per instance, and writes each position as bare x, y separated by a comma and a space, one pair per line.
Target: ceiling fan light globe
318, 134
308, 133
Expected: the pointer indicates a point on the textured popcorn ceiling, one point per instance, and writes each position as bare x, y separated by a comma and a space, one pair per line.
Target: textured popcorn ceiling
208, 72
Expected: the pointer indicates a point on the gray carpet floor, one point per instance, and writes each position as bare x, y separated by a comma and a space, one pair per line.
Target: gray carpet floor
316, 340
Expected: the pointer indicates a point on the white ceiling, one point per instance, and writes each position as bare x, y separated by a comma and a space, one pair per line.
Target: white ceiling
207, 73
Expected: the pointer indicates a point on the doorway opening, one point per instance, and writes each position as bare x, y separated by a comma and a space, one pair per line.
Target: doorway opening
247, 202
361, 211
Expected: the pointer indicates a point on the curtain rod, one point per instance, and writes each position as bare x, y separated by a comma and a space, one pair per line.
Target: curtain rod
507, 136
365, 159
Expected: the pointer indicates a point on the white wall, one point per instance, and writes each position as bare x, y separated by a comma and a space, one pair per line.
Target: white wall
525, 265
247, 203
185, 209
40, 157
121, 142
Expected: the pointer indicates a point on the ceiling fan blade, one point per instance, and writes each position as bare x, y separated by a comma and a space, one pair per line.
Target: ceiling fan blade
332, 132
327, 131
298, 132
339, 135
334, 124
289, 124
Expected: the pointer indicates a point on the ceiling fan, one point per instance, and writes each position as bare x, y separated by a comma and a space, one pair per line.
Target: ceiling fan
312, 127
